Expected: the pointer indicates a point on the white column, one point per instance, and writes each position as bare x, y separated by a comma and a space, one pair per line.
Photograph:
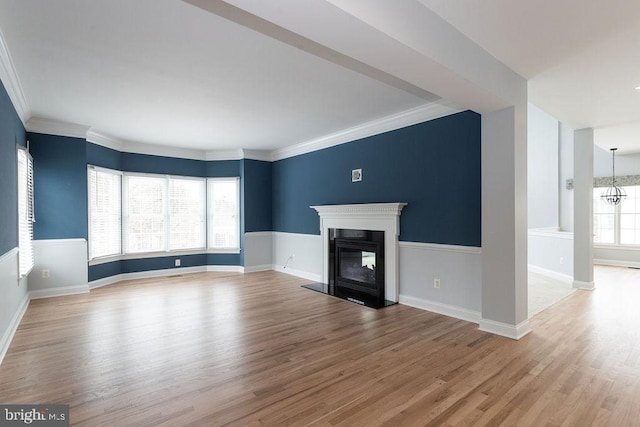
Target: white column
583, 209
504, 223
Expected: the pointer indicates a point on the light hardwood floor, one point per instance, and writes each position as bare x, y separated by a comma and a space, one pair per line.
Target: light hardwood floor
256, 349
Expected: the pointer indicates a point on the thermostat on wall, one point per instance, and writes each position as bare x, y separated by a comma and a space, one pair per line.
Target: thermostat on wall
356, 175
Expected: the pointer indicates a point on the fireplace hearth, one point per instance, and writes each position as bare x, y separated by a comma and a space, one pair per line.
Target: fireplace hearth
356, 267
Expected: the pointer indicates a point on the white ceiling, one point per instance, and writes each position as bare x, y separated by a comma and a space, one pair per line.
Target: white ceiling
580, 57
166, 72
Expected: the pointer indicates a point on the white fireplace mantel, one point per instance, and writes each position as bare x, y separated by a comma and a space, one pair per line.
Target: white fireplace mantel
367, 216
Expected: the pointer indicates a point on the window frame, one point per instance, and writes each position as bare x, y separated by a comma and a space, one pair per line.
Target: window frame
207, 249
210, 230
25, 268
89, 214
616, 225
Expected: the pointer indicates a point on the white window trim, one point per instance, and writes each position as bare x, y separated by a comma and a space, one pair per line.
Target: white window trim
236, 249
114, 172
616, 229
30, 188
159, 254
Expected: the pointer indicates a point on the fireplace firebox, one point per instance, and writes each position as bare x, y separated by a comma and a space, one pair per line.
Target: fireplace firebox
356, 266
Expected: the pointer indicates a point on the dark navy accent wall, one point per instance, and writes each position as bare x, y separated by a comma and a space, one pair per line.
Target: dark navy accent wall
223, 168
433, 166
145, 163
60, 186
98, 155
12, 133
257, 195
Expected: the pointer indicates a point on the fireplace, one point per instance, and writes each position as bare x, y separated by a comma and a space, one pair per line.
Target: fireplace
356, 266
374, 229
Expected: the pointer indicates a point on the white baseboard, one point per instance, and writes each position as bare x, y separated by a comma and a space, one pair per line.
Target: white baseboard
164, 273
587, 286
514, 332
552, 274
13, 327
440, 308
298, 273
225, 268
256, 268
58, 292
617, 263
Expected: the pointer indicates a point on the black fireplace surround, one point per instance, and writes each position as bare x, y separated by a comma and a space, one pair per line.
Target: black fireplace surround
356, 267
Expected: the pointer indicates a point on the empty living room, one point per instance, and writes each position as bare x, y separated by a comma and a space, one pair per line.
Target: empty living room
328, 212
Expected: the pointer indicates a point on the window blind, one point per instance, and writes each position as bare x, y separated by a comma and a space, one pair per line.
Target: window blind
26, 216
224, 213
144, 214
187, 213
105, 195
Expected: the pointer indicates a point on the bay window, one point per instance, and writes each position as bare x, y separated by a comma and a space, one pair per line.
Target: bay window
132, 213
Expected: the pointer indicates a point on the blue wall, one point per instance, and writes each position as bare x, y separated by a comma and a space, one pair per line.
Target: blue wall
12, 133
257, 195
60, 186
433, 166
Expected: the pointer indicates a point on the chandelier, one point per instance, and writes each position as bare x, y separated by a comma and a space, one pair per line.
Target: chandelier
613, 195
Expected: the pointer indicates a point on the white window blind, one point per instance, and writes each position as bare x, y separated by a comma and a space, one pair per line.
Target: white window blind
25, 212
145, 214
224, 213
105, 212
187, 213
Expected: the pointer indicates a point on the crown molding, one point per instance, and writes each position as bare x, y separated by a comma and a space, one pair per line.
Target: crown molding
55, 127
410, 117
9, 77
126, 146
420, 114
265, 156
224, 154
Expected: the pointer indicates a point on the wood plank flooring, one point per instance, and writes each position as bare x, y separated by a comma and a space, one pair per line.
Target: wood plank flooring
256, 349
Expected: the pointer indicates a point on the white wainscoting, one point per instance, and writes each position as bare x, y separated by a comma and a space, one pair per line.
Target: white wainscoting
306, 249
459, 269
550, 252
618, 256
258, 254
14, 300
66, 261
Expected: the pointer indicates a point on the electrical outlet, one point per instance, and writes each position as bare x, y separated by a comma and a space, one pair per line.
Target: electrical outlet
436, 283
46, 274
178, 262
561, 260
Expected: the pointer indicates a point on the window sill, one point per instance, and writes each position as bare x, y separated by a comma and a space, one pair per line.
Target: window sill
145, 255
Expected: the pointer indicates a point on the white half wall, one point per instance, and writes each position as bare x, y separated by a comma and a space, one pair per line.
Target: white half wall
300, 253
459, 269
66, 263
551, 252
616, 255
14, 299
258, 255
